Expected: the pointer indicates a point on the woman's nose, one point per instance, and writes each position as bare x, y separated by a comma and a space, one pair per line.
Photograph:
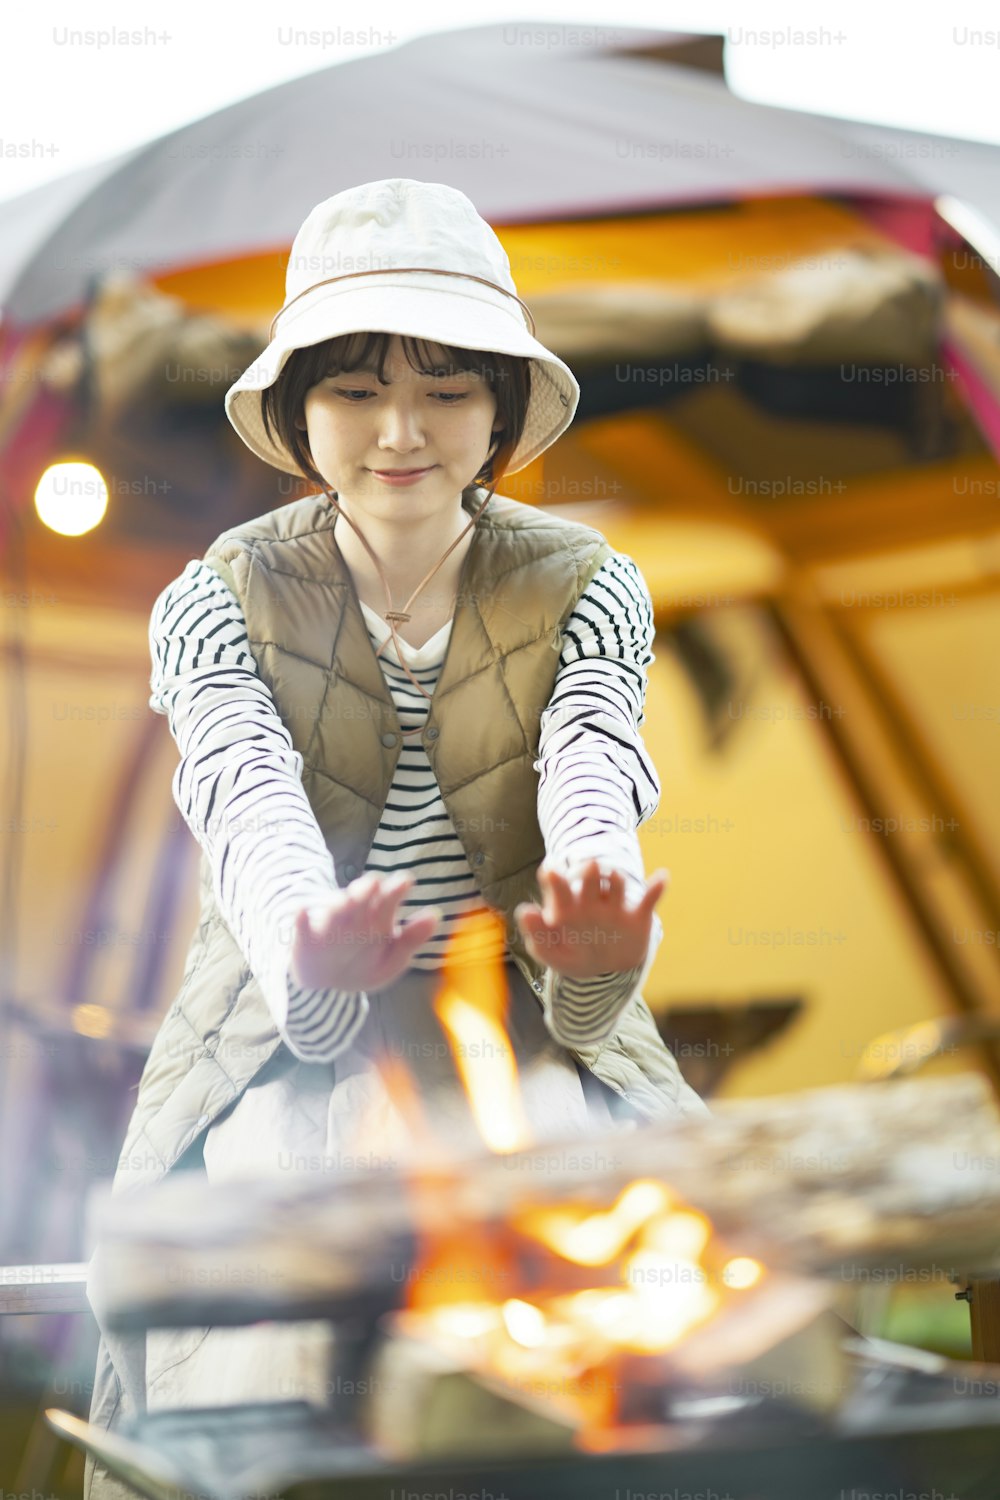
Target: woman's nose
400, 426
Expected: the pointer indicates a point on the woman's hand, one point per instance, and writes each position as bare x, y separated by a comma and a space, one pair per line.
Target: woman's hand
590, 931
356, 944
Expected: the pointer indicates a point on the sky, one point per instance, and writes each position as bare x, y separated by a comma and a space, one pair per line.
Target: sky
83, 84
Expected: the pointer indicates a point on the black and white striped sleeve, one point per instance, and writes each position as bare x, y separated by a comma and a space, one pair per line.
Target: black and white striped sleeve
597, 781
239, 789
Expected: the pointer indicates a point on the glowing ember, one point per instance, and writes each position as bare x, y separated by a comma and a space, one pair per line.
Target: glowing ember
670, 1297
742, 1272
525, 1323
467, 1320
678, 1236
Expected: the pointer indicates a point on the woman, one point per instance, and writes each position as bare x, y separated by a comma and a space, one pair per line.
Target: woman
335, 770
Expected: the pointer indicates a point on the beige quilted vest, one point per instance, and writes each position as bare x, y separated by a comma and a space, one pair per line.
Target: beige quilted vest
520, 580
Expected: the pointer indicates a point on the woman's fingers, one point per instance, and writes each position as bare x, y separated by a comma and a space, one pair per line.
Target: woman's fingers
530, 917
417, 930
368, 901
385, 899
558, 895
591, 885
597, 895
537, 935
374, 947
596, 890
658, 885
396, 958
594, 904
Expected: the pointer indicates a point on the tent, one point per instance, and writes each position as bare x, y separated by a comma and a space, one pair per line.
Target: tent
790, 418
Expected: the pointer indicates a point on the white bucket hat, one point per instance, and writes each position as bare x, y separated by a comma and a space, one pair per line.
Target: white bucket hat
404, 257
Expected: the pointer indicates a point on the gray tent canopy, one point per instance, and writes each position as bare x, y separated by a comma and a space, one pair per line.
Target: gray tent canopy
586, 122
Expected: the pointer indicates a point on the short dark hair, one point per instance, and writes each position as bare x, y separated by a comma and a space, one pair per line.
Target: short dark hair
508, 377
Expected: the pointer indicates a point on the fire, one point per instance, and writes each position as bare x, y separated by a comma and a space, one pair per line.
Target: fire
524, 1322
596, 1238
579, 1290
662, 1289
472, 1007
742, 1272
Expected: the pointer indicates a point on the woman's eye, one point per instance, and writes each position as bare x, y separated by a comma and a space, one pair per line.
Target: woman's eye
448, 398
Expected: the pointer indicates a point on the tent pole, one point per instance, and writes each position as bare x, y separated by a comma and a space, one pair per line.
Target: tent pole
884, 773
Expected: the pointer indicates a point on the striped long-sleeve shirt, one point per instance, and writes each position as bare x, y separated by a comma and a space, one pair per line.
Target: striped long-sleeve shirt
238, 786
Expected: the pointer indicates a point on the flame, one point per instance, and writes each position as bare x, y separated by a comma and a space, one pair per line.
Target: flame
378, 1126
471, 1005
671, 1278
524, 1322
460, 1272
594, 1239
561, 1298
742, 1272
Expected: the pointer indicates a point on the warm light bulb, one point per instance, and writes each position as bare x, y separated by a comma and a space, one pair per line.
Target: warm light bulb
71, 498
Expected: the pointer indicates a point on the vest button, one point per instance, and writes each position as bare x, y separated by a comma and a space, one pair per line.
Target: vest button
536, 984
389, 739
350, 871
433, 732
202, 1120
478, 857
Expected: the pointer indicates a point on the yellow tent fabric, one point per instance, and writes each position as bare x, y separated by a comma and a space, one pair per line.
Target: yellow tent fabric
853, 677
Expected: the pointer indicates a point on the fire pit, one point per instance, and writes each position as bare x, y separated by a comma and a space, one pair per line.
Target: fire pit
658, 1308
903, 1435
669, 1321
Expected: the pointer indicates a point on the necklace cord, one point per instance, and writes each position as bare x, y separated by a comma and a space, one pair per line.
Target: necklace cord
392, 615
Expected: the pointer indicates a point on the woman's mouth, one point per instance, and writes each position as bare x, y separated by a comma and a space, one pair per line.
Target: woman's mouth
401, 476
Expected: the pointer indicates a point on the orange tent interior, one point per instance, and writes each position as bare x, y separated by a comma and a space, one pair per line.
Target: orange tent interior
825, 659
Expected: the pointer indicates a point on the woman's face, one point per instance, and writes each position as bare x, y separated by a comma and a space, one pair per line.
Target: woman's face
359, 429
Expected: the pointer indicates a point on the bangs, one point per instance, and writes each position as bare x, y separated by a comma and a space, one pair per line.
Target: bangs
507, 375
352, 352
